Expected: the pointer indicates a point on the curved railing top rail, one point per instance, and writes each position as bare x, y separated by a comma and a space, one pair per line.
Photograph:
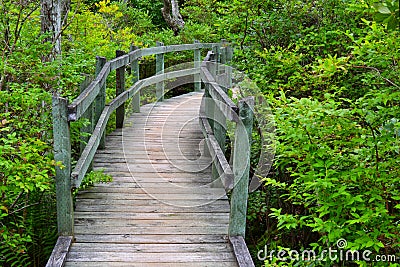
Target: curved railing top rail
80, 104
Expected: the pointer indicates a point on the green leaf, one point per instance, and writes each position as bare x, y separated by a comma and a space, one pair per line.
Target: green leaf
384, 10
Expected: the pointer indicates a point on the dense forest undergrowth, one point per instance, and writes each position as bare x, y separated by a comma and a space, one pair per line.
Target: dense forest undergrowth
329, 70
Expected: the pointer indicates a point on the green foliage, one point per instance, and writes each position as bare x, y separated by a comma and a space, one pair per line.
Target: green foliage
388, 13
27, 169
95, 177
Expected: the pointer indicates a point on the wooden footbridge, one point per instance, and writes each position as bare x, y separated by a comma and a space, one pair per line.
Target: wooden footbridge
167, 204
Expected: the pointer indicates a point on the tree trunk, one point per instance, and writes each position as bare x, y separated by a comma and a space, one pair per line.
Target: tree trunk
50, 14
171, 14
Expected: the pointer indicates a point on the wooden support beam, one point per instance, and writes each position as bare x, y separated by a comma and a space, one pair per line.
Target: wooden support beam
80, 104
120, 88
241, 251
160, 70
135, 78
241, 168
197, 59
100, 100
62, 155
87, 129
222, 100
60, 251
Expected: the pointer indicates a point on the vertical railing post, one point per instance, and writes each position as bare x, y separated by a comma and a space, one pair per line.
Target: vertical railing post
209, 105
160, 70
135, 78
119, 89
87, 129
197, 59
223, 51
241, 168
219, 127
100, 100
62, 154
213, 108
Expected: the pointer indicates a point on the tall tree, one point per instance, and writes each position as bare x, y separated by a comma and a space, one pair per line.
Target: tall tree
50, 14
172, 16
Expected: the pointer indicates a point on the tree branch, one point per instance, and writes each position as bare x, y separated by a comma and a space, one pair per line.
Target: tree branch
379, 73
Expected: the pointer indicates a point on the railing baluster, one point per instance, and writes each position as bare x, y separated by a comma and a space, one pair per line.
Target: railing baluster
88, 129
241, 168
120, 88
100, 100
135, 78
160, 70
62, 154
197, 58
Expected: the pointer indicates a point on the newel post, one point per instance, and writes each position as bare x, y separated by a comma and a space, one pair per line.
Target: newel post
62, 155
135, 78
160, 70
241, 168
120, 88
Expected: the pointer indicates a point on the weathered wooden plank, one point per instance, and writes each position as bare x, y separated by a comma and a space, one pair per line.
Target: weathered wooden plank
100, 100
156, 202
119, 89
62, 154
87, 155
160, 70
168, 76
151, 239
160, 230
221, 163
224, 170
170, 48
197, 64
86, 130
162, 176
221, 99
200, 209
150, 257
241, 168
152, 216
150, 264
119, 61
60, 251
135, 197
242, 253
152, 248
150, 223
80, 104
135, 78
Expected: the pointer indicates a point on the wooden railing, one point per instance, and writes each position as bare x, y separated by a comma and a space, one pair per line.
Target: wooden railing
215, 110
91, 104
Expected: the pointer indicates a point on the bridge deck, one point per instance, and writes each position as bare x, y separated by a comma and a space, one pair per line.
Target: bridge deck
160, 209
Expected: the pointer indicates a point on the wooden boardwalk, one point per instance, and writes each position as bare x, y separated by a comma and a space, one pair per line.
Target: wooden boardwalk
161, 208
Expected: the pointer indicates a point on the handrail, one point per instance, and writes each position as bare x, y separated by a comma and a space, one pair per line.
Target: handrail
77, 108
215, 109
